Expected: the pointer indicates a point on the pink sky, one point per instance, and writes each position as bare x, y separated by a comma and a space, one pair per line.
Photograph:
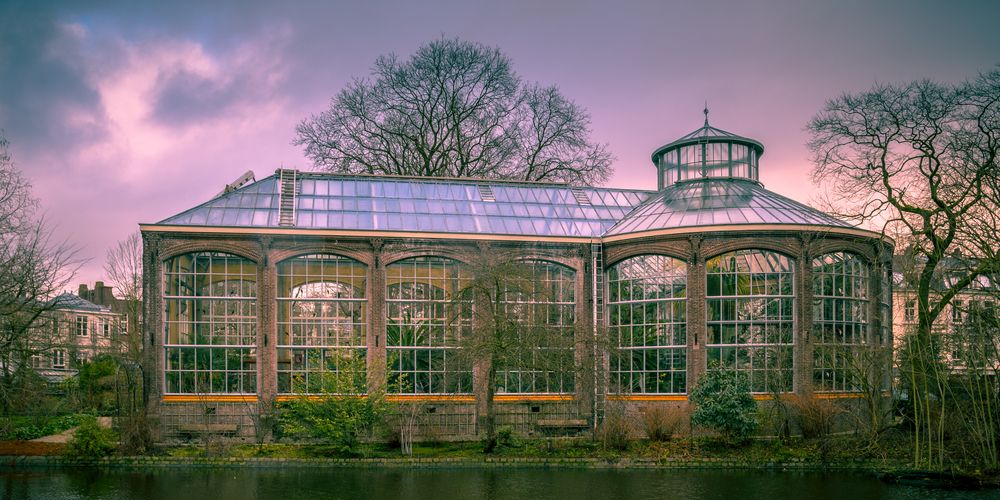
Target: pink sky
121, 114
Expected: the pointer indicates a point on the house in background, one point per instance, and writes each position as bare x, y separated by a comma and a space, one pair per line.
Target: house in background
80, 330
967, 328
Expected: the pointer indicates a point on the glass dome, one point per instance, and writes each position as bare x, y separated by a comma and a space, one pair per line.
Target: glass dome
707, 153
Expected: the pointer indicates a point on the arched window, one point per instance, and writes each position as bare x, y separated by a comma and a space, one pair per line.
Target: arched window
647, 319
425, 322
321, 325
546, 316
210, 324
840, 320
750, 300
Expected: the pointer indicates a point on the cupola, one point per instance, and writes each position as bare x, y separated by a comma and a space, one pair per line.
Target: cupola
707, 153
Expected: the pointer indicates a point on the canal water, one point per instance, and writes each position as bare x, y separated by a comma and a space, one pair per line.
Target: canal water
467, 483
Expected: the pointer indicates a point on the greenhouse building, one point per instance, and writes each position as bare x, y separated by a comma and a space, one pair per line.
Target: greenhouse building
307, 283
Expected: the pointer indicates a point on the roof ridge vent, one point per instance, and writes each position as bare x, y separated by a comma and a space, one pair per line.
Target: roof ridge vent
486, 192
580, 196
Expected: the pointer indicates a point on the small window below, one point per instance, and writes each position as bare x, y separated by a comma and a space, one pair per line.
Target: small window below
58, 358
910, 310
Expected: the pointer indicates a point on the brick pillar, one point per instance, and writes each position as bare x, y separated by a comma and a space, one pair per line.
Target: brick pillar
697, 314
878, 295
802, 351
375, 291
267, 324
151, 341
584, 345
481, 365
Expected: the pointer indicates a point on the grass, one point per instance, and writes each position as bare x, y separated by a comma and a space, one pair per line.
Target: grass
24, 428
759, 451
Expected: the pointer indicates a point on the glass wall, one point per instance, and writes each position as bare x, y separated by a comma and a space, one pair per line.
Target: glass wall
321, 325
546, 316
647, 318
710, 159
840, 320
210, 324
425, 323
750, 302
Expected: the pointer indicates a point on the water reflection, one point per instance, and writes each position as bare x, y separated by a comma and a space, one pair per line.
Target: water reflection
350, 483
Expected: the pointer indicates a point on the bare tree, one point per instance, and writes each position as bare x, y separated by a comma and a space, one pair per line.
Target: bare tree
976, 345
454, 109
511, 330
920, 159
123, 268
33, 269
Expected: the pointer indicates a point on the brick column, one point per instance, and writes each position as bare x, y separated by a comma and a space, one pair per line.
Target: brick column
877, 323
267, 324
802, 352
151, 341
585, 347
697, 314
375, 338
481, 365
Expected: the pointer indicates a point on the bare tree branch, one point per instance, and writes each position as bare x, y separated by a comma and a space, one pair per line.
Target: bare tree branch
454, 109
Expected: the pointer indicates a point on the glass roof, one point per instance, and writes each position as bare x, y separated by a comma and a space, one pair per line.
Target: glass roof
396, 204
706, 134
363, 203
719, 202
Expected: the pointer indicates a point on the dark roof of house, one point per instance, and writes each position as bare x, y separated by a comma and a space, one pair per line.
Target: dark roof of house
70, 302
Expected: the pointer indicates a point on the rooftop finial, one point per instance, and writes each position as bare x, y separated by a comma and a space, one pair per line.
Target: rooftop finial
706, 113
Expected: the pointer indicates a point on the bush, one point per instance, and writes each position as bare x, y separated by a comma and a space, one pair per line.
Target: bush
506, 437
614, 431
94, 389
336, 421
91, 440
136, 434
724, 404
815, 416
660, 423
27, 428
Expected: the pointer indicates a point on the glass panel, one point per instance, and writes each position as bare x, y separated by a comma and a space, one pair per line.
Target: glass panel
321, 325
647, 308
425, 321
210, 323
551, 306
840, 320
750, 317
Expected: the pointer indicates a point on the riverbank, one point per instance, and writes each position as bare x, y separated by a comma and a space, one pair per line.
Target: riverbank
442, 462
681, 454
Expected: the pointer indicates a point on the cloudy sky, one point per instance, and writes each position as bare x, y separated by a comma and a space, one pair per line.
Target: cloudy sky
121, 113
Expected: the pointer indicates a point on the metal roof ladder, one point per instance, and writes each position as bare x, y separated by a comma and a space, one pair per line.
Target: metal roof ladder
288, 187
600, 363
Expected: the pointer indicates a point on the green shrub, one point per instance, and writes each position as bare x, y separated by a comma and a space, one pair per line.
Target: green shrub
506, 437
94, 389
91, 440
723, 403
26, 428
331, 420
